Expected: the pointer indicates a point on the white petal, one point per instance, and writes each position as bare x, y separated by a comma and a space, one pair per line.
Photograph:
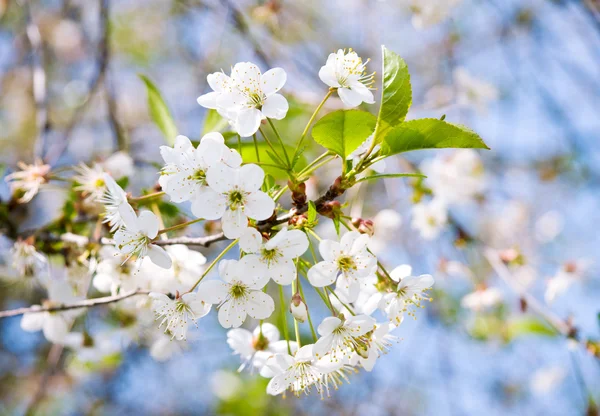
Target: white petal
327, 75
250, 240
329, 324
360, 89
323, 346
234, 223
293, 244
349, 286
259, 206
349, 97
269, 331
196, 304
279, 384
275, 107
218, 81
208, 100
322, 274
231, 314
55, 328
248, 122
330, 250
159, 256
213, 291
148, 223
273, 80
259, 305
129, 218
209, 204
400, 272
283, 272
221, 178
240, 341
32, 322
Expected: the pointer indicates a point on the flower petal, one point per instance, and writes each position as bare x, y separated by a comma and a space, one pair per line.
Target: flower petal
282, 272
209, 204
234, 223
327, 75
248, 121
330, 250
148, 223
259, 206
213, 291
231, 314
275, 107
159, 256
329, 324
251, 177
349, 97
322, 274
273, 80
259, 305
250, 240
208, 100
221, 178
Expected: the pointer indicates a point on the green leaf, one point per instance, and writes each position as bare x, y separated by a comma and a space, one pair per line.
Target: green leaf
396, 94
344, 130
159, 112
392, 175
528, 326
213, 122
429, 133
267, 157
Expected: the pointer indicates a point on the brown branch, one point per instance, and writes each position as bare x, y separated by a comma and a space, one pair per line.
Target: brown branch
87, 303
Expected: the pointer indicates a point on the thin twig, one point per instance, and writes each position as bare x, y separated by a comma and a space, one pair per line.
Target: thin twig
87, 303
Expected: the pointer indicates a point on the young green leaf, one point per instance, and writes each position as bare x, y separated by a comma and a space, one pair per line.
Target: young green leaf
429, 133
528, 326
344, 130
159, 112
312, 212
396, 94
391, 175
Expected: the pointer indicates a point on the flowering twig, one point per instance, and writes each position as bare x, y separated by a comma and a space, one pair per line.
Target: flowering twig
87, 303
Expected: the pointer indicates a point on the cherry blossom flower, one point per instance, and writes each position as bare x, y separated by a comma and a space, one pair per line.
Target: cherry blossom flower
298, 308
340, 338
26, 260
409, 292
275, 258
135, 237
455, 178
349, 259
429, 218
54, 325
119, 165
113, 273
347, 73
301, 372
247, 97
234, 195
473, 92
482, 299
379, 342
114, 196
26, 183
91, 181
175, 314
256, 347
184, 175
238, 294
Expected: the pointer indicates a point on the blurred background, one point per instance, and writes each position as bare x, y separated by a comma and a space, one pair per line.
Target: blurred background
525, 74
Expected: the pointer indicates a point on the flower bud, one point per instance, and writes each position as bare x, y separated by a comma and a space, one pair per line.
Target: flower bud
298, 308
366, 227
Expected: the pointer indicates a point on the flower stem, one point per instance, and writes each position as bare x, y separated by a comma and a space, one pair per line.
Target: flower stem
287, 158
315, 167
279, 159
146, 197
284, 318
296, 327
339, 300
179, 226
310, 324
256, 147
214, 262
310, 121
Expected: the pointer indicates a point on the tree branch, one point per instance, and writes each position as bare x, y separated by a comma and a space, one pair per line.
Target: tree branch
87, 303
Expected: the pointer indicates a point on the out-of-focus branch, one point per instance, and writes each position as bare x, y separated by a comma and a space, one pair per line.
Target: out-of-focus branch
39, 82
55, 152
52, 362
88, 303
532, 303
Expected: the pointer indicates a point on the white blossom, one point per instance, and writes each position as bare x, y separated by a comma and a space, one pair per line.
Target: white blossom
256, 347
27, 261
429, 218
473, 92
347, 261
247, 97
176, 314
114, 196
378, 343
347, 72
482, 299
184, 175
91, 181
135, 237
455, 178
275, 258
118, 165
411, 290
301, 372
341, 338
26, 183
238, 294
233, 195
